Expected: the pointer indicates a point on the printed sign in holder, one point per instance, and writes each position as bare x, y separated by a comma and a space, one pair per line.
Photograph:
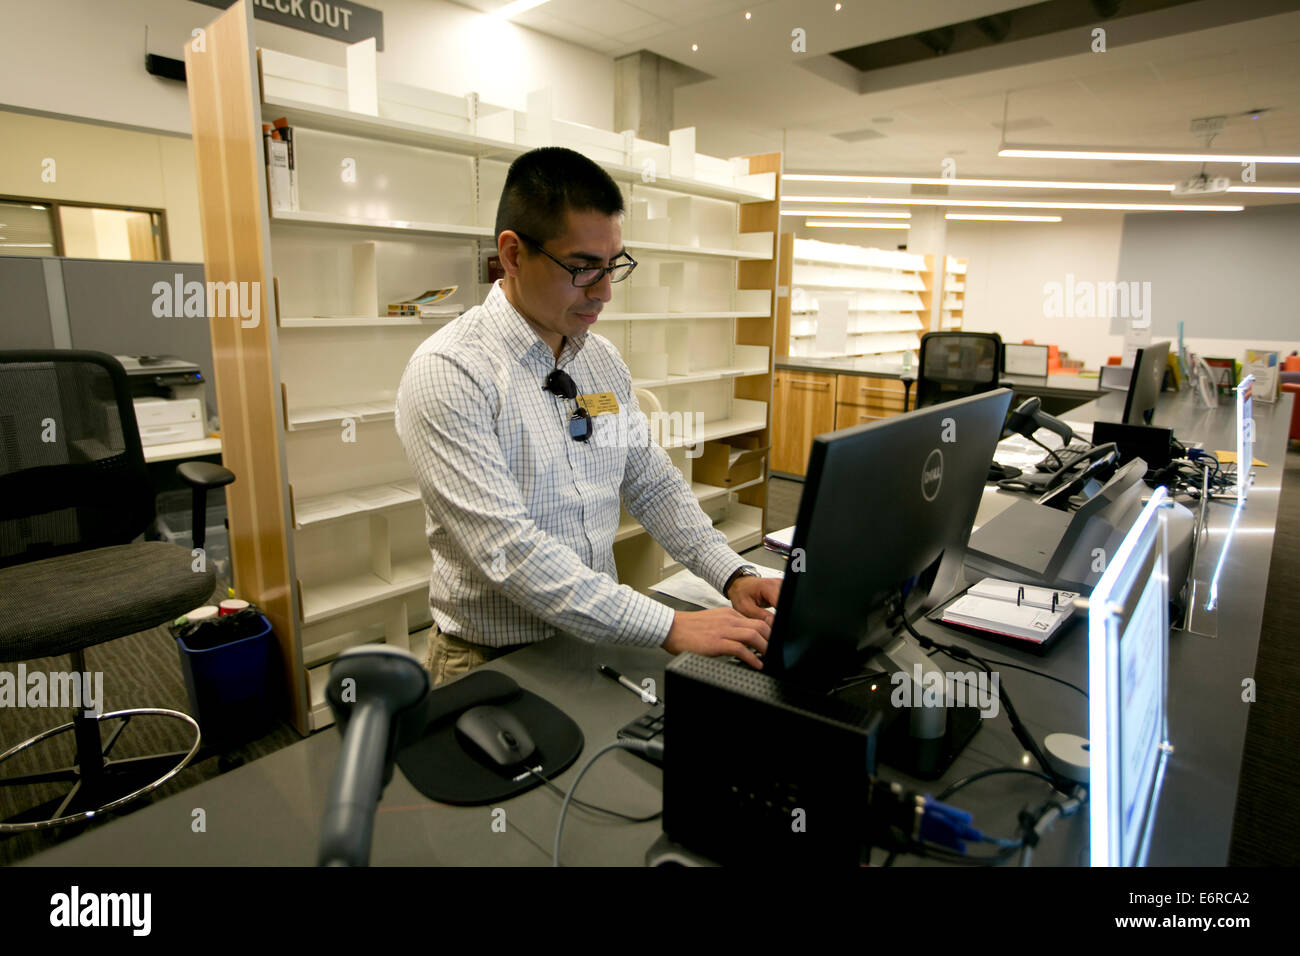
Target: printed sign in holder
1128, 671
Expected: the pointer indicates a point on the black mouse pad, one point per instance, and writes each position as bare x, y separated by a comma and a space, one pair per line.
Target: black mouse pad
445, 770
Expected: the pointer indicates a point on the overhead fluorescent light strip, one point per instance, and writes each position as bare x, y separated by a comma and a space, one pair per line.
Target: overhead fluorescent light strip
516, 8
991, 217
1140, 155
835, 224
1010, 204
862, 214
993, 183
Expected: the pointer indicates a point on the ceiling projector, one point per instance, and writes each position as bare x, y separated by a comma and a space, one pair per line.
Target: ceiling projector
1202, 185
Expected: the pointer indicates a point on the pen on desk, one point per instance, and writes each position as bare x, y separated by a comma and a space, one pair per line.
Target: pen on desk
619, 678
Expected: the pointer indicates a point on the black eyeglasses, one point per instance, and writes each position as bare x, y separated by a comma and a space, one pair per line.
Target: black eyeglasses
586, 276
559, 383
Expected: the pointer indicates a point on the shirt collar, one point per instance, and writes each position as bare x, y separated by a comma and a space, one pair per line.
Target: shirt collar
520, 338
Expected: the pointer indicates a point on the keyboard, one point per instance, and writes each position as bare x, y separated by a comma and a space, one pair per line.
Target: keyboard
646, 727
1068, 456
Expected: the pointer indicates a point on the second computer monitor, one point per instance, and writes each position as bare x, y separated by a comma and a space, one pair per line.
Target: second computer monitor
1144, 388
886, 507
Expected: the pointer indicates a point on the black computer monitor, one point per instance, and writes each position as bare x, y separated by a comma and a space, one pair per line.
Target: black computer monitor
887, 507
1144, 387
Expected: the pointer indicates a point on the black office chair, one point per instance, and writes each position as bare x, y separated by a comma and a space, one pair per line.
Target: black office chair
956, 364
74, 496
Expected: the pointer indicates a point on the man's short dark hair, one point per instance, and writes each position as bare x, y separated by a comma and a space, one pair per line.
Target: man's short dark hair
543, 184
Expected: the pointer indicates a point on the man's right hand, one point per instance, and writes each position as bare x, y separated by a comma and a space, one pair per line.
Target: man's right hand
720, 632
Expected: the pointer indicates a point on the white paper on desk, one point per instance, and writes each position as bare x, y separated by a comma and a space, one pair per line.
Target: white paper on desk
685, 586
783, 538
832, 325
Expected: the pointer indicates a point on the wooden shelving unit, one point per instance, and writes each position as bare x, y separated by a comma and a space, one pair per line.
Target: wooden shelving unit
954, 294
326, 522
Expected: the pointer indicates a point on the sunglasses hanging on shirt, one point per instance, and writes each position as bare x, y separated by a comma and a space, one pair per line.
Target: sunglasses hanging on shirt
559, 383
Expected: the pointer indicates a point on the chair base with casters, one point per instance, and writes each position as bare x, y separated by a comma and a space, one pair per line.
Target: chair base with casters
75, 497
63, 605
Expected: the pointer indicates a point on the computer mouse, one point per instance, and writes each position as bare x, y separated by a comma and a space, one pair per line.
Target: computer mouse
497, 734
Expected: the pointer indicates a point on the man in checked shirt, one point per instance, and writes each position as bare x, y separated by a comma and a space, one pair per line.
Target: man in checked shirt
516, 419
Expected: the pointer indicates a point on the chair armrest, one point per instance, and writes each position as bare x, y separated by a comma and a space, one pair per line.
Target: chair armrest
201, 476
204, 474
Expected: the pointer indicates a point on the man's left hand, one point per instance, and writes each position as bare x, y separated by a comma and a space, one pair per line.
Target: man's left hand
751, 595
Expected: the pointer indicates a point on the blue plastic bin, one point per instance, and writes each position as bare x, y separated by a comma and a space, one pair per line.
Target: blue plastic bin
234, 688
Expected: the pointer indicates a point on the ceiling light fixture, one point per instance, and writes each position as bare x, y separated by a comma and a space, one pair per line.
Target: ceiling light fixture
1280, 190
1015, 204
837, 7
993, 183
516, 8
748, 14
820, 224
990, 217
1140, 155
694, 47
860, 214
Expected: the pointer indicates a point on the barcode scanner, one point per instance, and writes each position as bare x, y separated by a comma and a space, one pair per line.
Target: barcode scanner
378, 695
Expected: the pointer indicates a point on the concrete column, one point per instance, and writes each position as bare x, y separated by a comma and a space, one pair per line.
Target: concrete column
929, 237
643, 94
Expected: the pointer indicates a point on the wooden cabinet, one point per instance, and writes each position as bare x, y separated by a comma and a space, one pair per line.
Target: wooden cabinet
803, 407
849, 415
882, 394
808, 404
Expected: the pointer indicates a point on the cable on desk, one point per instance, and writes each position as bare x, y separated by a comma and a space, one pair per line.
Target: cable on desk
968, 780
593, 807
638, 746
1017, 725
1030, 670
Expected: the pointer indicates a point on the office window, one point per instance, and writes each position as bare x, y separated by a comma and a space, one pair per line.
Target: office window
26, 229
92, 232
50, 227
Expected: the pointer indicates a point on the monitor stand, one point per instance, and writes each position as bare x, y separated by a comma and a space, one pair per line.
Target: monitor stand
925, 722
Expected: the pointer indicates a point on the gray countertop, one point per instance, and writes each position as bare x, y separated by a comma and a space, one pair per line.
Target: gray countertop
268, 812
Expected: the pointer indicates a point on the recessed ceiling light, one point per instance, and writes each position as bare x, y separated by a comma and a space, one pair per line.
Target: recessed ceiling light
1140, 155
1014, 204
1280, 190
694, 47
837, 7
748, 14
989, 217
516, 8
38, 207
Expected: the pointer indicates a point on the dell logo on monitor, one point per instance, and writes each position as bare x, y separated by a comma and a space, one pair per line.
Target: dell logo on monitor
932, 475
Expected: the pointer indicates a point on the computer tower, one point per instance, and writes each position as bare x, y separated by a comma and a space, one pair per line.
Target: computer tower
759, 772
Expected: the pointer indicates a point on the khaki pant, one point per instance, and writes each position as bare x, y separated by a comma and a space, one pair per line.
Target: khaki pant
449, 657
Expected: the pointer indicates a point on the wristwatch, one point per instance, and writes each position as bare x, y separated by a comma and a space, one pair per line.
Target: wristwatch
744, 571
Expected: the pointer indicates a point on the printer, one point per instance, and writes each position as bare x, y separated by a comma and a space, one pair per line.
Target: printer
169, 395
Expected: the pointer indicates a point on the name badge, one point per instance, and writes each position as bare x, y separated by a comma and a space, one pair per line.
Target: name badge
600, 403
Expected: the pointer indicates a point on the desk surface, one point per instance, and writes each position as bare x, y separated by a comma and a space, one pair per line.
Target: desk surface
268, 812
182, 449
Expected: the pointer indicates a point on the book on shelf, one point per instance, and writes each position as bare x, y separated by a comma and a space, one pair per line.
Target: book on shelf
283, 171
428, 305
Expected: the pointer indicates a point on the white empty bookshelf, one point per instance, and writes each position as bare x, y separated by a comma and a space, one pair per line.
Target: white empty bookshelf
391, 203
880, 289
